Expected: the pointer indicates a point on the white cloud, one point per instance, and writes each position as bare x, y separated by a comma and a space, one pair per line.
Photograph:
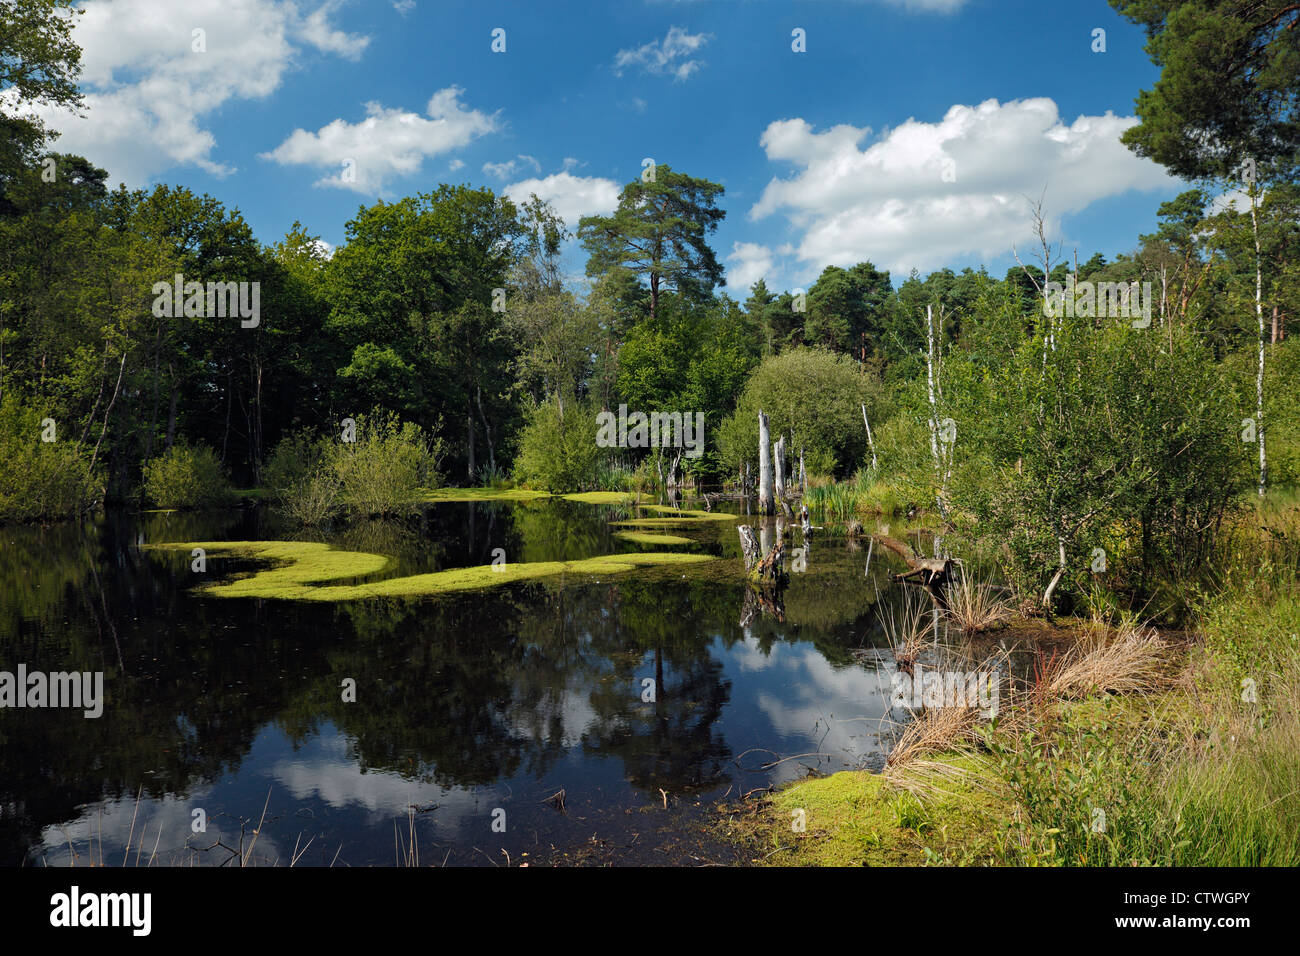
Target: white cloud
317, 31
572, 197
403, 6
752, 262
924, 194
927, 6
912, 6
510, 167
456, 164
148, 90
387, 143
670, 56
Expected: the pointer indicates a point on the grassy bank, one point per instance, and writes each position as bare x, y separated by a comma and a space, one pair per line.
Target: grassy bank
1133, 747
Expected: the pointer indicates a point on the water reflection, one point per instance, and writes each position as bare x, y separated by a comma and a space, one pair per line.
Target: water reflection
465, 704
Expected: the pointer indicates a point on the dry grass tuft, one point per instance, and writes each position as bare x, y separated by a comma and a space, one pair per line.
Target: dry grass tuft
907, 627
974, 607
935, 730
1129, 660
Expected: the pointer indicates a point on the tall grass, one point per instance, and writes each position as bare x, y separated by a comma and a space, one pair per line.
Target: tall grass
1210, 775
974, 607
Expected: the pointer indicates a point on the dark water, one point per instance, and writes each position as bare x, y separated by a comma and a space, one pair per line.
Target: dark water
467, 705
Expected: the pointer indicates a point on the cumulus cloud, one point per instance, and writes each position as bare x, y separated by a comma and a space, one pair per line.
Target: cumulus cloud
752, 262
317, 30
510, 167
671, 56
572, 197
924, 194
364, 156
153, 71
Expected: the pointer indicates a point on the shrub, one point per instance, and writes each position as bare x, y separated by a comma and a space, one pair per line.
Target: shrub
383, 471
41, 479
295, 458
558, 453
816, 398
313, 498
187, 476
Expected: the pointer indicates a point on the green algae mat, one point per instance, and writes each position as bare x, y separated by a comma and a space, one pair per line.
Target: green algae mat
306, 570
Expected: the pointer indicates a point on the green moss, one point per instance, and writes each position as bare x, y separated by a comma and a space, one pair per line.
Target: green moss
603, 497
646, 537
853, 818
687, 514
304, 568
438, 495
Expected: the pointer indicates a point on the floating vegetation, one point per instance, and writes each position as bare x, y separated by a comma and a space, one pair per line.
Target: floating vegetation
439, 495
446, 495
304, 569
603, 497
648, 537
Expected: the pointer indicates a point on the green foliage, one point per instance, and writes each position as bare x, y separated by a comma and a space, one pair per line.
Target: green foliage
1087, 799
40, 64
903, 455
383, 471
847, 310
813, 396
298, 455
658, 233
388, 470
187, 476
1227, 85
38, 479
558, 451
1112, 426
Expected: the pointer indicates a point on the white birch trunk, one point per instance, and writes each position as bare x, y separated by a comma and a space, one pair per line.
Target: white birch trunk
778, 463
766, 505
1259, 379
870, 443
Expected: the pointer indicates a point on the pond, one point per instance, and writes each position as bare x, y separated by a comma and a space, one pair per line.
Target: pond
583, 716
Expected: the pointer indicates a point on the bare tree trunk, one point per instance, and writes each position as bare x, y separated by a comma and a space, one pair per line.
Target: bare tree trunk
469, 438
749, 546
257, 425
766, 505
225, 435
487, 429
107, 412
171, 410
870, 443
1056, 579
1259, 380
778, 465
933, 382
99, 397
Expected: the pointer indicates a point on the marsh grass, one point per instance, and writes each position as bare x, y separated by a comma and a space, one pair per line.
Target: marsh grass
974, 607
907, 625
1130, 660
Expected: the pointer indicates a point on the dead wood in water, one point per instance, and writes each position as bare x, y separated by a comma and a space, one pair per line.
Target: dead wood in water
749, 546
930, 573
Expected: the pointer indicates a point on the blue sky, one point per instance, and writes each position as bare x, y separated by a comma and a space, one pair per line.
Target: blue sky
907, 134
